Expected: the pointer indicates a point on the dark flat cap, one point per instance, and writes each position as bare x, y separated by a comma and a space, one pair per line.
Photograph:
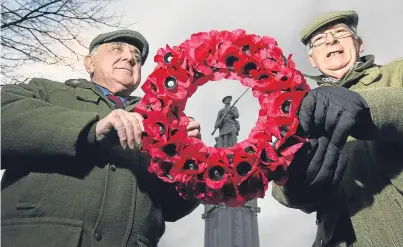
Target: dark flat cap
124, 35
348, 17
226, 98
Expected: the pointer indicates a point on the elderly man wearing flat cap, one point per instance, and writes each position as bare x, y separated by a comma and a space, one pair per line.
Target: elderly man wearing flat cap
351, 171
74, 174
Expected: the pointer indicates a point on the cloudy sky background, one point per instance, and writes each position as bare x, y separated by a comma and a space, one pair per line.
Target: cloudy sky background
171, 22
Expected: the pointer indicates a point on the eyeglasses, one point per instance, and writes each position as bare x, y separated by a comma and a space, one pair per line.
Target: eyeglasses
338, 33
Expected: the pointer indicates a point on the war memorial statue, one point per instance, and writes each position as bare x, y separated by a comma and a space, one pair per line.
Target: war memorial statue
227, 226
227, 124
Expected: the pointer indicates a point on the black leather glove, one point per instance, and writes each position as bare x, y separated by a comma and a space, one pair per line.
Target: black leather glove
335, 112
317, 168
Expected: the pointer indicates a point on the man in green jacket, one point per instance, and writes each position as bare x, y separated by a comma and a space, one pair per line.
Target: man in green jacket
74, 174
352, 176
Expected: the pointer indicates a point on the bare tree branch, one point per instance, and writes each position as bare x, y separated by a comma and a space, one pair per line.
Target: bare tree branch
48, 31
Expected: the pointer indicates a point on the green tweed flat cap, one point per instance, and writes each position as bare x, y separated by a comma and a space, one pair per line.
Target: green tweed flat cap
350, 17
126, 35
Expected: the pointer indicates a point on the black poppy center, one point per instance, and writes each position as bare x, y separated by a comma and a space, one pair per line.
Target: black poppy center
263, 156
284, 78
249, 66
170, 150
246, 49
162, 128
285, 107
190, 165
197, 74
216, 173
249, 150
263, 76
168, 58
243, 168
170, 82
283, 130
230, 158
230, 62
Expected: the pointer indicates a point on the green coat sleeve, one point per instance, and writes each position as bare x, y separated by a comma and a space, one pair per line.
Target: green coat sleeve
386, 106
32, 128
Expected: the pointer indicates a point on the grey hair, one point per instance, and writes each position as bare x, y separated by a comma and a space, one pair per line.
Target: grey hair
351, 28
94, 50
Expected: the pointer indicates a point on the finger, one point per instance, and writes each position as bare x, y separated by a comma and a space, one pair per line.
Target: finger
304, 155
306, 113
128, 125
191, 119
325, 175
317, 160
298, 167
119, 126
140, 118
342, 129
341, 167
194, 133
322, 105
332, 117
193, 126
136, 127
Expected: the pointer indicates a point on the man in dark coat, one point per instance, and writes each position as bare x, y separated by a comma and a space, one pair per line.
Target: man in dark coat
227, 124
74, 174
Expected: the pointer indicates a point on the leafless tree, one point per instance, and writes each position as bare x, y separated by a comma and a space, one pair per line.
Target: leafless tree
48, 31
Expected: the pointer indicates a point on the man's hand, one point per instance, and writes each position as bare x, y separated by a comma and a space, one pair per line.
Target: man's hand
317, 168
128, 125
335, 112
193, 128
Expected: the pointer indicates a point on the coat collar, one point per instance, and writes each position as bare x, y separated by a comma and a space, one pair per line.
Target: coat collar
88, 91
359, 71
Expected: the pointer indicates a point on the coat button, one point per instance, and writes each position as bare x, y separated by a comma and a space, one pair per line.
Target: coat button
113, 168
98, 236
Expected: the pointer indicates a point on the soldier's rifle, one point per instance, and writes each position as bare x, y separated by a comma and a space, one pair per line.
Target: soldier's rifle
222, 119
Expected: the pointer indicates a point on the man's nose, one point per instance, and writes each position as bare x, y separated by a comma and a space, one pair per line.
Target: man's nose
330, 39
127, 55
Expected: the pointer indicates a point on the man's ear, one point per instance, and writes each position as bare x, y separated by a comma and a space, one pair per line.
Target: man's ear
360, 45
311, 60
89, 64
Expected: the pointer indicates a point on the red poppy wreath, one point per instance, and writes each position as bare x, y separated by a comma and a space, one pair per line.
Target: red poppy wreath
222, 175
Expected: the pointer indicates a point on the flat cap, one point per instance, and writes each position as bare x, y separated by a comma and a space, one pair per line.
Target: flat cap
126, 35
348, 17
226, 97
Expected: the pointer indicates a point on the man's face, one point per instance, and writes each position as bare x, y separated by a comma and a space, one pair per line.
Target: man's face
335, 50
115, 66
227, 101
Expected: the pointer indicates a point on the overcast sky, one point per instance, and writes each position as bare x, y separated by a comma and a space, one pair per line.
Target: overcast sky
171, 22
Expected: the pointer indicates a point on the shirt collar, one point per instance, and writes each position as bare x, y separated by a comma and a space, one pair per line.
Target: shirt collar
106, 92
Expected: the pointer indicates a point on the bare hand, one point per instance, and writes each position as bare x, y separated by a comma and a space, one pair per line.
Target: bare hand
193, 128
128, 125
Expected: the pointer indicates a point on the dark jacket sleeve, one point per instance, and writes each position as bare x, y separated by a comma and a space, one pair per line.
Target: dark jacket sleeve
32, 128
174, 207
164, 194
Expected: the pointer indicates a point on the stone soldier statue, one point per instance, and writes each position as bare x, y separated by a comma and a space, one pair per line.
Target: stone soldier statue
229, 126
